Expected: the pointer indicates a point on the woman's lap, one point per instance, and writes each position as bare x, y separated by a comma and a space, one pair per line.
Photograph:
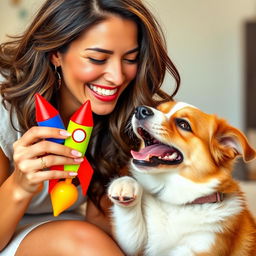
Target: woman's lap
12, 247
67, 238
30, 222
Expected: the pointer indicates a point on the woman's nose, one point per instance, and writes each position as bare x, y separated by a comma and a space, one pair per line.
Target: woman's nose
115, 73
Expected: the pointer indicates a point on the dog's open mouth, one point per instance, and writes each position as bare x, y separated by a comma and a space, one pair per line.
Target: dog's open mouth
155, 153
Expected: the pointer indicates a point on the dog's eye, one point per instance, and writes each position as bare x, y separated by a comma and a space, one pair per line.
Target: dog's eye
183, 124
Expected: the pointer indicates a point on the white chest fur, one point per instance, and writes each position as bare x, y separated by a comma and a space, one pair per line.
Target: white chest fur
179, 230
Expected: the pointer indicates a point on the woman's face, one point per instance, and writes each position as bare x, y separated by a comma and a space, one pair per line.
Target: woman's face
98, 66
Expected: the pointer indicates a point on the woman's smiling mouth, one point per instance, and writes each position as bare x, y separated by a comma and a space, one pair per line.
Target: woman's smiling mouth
104, 93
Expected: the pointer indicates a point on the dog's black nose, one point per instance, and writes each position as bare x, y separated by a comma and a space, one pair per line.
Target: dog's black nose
143, 112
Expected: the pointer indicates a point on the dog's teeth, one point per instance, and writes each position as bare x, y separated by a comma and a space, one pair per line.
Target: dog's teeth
173, 156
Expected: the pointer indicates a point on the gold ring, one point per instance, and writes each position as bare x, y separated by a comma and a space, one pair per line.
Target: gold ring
43, 163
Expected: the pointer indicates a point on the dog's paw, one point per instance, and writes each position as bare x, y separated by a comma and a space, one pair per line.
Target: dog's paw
124, 191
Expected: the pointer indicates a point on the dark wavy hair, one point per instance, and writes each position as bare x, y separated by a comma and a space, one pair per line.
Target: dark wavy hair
25, 64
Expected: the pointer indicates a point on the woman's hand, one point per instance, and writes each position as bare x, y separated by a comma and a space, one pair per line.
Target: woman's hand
33, 154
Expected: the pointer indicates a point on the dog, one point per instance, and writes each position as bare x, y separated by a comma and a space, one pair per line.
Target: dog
181, 199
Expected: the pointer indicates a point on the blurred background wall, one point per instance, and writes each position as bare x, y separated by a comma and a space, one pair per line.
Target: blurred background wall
206, 41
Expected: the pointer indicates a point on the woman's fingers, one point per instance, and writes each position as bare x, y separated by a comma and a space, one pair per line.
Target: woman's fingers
37, 133
33, 165
48, 147
32, 145
38, 177
31, 182
53, 160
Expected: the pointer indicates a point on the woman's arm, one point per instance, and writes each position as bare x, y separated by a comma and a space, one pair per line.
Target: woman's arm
12, 206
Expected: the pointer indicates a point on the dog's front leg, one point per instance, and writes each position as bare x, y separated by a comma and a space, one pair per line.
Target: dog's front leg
130, 229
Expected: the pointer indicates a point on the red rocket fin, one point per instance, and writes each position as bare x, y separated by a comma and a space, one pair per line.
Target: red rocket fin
53, 182
85, 173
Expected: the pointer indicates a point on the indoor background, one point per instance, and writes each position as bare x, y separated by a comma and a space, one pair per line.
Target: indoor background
206, 40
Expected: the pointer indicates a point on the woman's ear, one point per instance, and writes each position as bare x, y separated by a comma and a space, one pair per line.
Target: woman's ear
229, 143
55, 59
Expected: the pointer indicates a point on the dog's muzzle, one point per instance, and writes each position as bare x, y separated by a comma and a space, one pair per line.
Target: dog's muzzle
154, 152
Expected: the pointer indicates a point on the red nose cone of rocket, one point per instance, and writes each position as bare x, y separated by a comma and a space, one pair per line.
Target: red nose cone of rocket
83, 115
44, 110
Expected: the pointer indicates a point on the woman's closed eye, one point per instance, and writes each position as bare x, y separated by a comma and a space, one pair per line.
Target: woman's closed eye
103, 61
97, 61
131, 58
131, 61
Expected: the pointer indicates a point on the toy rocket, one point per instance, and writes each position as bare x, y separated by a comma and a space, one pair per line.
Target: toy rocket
64, 193
80, 126
47, 115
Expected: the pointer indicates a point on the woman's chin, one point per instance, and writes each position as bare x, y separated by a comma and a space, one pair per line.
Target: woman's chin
101, 105
102, 110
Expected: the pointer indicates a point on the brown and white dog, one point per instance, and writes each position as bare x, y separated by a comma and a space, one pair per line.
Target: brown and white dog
183, 200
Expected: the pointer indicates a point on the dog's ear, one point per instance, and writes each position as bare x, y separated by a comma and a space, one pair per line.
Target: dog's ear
228, 142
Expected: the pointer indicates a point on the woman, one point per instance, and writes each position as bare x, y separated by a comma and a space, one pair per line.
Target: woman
111, 52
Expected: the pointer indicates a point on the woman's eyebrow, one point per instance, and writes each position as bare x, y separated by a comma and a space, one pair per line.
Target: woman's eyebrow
133, 50
111, 52
96, 49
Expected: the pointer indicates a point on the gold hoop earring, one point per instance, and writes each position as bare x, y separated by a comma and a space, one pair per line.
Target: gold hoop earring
58, 77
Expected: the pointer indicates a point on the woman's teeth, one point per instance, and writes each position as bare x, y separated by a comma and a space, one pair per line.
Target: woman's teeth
101, 91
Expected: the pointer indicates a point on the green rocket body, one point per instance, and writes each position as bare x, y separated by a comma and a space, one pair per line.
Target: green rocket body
79, 141
80, 127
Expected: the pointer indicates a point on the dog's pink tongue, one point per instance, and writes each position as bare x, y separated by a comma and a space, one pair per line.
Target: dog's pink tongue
153, 150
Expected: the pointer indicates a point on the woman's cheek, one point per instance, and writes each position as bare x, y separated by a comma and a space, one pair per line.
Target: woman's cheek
87, 74
132, 72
